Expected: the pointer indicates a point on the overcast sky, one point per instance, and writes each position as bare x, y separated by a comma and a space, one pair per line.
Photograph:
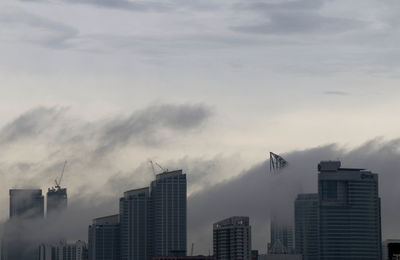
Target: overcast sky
208, 86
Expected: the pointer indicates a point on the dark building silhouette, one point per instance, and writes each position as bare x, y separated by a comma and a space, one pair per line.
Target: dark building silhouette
104, 237
232, 239
57, 200
135, 220
168, 213
183, 258
349, 213
391, 249
306, 221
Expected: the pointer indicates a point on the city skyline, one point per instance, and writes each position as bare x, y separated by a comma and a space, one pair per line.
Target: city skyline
122, 89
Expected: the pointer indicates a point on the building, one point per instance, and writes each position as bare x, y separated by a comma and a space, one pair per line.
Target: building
57, 200
104, 238
134, 225
391, 249
168, 211
72, 251
183, 258
280, 257
306, 221
232, 239
349, 213
26, 203
254, 254
281, 238
47, 252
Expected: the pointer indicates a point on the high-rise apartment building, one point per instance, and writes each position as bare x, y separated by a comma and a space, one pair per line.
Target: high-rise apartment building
168, 213
135, 223
232, 239
104, 238
349, 213
306, 221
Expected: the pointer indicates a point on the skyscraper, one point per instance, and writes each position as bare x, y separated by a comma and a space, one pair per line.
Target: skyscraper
281, 238
134, 219
26, 206
26, 203
349, 213
104, 238
168, 213
56, 200
232, 239
306, 226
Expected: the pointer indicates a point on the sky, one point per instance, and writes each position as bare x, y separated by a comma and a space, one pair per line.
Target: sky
208, 86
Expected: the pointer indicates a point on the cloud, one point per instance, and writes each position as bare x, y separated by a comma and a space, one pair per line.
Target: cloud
44, 31
140, 6
336, 93
294, 17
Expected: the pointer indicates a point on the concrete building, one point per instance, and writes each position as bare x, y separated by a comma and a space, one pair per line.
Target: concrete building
134, 224
306, 220
72, 251
168, 211
391, 249
57, 200
232, 239
104, 238
349, 213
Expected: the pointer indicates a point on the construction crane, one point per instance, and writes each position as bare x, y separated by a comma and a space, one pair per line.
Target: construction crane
158, 165
276, 162
58, 182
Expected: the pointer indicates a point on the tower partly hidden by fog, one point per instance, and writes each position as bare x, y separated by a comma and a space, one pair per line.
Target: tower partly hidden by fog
57, 200
26, 206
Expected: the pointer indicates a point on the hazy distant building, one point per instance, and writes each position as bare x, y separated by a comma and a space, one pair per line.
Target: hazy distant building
26, 206
349, 213
47, 252
254, 254
307, 226
57, 200
168, 213
104, 238
281, 238
72, 251
391, 249
134, 225
26, 203
232, 239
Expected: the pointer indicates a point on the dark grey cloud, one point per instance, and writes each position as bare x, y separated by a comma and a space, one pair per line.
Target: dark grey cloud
31, 124
146, 126
336, 93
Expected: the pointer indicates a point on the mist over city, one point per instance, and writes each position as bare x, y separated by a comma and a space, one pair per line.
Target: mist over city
199, 129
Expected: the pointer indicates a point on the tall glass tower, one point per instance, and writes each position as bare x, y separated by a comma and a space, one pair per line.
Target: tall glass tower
307, 226
168, 214
134, 221
349, 213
